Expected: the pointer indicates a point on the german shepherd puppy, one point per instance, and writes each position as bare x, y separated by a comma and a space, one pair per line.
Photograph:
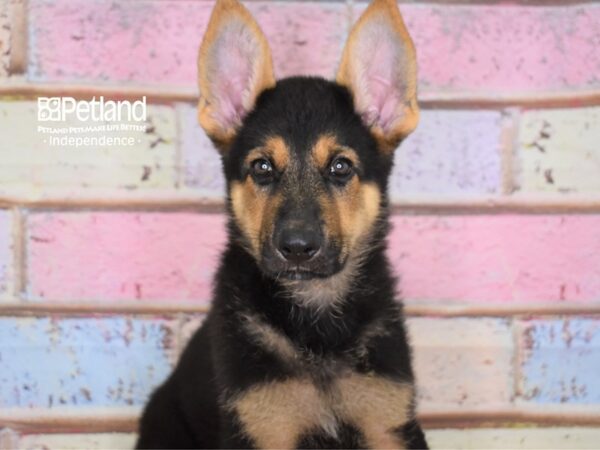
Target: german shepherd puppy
305, 344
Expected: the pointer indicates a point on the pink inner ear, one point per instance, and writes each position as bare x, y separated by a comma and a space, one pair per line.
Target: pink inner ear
379, 59
234, 55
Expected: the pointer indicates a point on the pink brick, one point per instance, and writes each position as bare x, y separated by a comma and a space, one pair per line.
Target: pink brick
504, 47
306, 38
4, 39
143, 41
460, 47
157, 42
5, 252
78, 256
508, 47
508, 258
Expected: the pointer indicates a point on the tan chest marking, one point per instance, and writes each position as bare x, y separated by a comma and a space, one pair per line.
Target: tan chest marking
276, 414
376, 406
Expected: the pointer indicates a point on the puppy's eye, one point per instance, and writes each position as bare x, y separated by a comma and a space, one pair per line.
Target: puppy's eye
262, 170
341, 169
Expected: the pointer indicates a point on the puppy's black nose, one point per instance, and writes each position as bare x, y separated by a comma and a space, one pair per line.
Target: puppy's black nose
298, 246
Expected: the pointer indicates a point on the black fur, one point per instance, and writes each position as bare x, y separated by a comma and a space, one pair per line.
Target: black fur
221, 359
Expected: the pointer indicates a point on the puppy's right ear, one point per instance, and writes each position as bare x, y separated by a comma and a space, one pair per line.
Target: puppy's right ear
379, 67
234, 67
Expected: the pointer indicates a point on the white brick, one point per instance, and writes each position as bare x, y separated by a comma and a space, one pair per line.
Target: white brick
513, 438
462, 362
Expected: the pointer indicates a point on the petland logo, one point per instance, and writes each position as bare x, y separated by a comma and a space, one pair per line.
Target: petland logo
61, 109
66, 122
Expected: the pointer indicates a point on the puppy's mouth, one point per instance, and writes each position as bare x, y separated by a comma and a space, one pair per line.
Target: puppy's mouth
321, 268
302, 275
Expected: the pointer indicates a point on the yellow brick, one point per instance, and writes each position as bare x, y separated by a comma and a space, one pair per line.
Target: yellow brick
559, 151
97, 441
31, 164
513, 438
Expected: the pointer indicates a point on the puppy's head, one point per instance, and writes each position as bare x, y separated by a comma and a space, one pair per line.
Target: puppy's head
307, 160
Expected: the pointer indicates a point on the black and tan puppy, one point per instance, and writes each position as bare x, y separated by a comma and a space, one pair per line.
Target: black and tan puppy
305, 345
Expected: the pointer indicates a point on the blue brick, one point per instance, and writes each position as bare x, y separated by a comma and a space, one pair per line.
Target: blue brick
561, 361
81, 362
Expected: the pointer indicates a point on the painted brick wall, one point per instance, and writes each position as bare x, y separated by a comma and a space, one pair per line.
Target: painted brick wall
107, 253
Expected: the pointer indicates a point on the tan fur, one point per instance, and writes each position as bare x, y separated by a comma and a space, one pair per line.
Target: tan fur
348, 216
327, 146
360, 213
352, 212
384, 13
253, 209
274, 149
377, 406
277, 414
230, 13
254, 212
269, 338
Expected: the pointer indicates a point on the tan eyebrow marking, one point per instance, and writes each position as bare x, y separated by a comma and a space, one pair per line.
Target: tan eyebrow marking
275, 149
326, 146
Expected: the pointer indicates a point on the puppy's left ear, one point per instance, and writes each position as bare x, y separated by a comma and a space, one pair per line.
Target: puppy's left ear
379, 67
234, 67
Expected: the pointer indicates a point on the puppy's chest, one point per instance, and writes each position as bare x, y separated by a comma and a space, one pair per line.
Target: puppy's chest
323, 399
352, 410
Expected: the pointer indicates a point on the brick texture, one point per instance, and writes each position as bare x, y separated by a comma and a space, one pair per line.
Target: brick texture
560, 361
462, 362
435, 257
152, 42
31, 162
522, 438
306, 38
201, 164
4, 39
6, 259
559, 151
450, 153
466, 47
504, 47
122, 256
506, 258
58, 441
57, 363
